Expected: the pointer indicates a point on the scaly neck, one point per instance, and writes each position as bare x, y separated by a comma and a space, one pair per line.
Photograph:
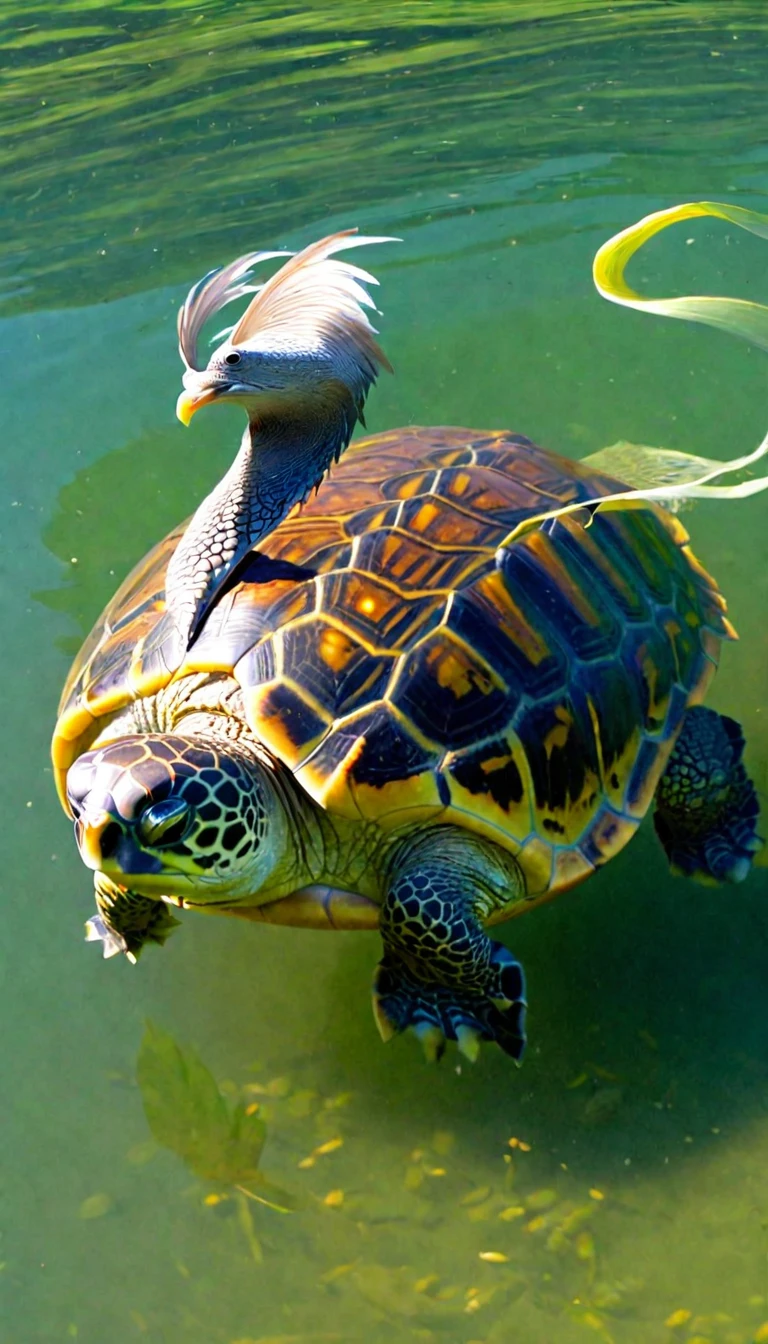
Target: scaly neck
283, 454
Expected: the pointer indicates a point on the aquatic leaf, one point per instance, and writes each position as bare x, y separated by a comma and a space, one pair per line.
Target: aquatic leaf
661, 475
187, 1113
738, 316
245, 1219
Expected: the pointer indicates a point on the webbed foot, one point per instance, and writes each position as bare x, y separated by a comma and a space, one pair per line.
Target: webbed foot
706, 804
441, 976
438, 1013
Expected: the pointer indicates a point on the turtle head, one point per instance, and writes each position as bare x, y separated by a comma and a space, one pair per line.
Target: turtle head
173, 816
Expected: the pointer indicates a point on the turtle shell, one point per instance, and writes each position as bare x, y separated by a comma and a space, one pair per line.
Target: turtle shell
425, 671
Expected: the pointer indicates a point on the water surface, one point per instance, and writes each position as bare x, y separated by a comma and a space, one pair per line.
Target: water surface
142, 144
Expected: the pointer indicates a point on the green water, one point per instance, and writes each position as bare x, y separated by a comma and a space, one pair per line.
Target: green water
143, 143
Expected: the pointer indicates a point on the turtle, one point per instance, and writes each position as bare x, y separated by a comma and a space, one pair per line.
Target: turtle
422, 700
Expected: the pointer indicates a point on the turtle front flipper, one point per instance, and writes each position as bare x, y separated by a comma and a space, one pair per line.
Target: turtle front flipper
706, 804
125, 921
441, 975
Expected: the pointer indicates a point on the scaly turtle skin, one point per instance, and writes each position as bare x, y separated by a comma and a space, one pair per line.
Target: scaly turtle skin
422, 683
386, 710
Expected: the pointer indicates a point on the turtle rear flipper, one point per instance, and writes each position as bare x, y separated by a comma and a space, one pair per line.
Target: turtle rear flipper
706, 804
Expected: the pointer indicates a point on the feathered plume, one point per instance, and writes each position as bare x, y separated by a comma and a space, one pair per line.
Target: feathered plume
312, 305
209, 295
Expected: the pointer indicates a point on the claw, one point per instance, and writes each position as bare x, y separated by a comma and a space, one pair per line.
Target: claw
469, 1042
738, 870
386, 1026
432, 1040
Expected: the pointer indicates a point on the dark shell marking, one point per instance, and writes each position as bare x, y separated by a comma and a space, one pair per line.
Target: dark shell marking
530, 692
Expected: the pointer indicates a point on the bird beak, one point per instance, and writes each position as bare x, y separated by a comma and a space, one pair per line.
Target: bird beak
191, 400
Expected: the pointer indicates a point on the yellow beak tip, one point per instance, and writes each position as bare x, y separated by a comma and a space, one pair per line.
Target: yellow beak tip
189, 402
186, 407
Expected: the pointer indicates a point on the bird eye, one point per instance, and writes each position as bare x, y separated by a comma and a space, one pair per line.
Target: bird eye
232, 358
164, 824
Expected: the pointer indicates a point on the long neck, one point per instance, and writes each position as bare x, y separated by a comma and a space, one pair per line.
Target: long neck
282, 456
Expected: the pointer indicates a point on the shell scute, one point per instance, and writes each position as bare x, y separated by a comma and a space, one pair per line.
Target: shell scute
604, 567
506, 632
607, 695
290, 726
577, 616
336, 670
449, 692
648, 654
486, 492
493, 779
412, 565
558, 738
242, 618
379, 614
442, 525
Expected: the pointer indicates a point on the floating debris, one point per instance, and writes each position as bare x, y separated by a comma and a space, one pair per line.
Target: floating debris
424, 1285
680, 1317
475, 1196
96, 1206
334, 1199
329, 1146
585, 1246
142, 1153
596, 1194
541, 1199
493, 1257
514, 1211
322, 1150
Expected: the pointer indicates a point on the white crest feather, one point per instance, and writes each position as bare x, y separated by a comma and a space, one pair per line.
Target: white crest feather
313, 304
210, 295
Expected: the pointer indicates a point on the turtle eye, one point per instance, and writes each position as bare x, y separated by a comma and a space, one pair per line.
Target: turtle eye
232, 358
166, 823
